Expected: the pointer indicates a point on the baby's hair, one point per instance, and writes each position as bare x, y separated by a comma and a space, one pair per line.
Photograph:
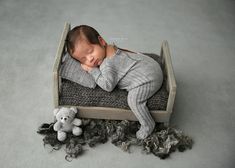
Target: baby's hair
81, 32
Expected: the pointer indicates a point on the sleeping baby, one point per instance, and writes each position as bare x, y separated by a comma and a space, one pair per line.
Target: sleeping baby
112, 67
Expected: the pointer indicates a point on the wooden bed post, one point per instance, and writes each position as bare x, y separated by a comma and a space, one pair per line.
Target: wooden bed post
171, 83
56, 67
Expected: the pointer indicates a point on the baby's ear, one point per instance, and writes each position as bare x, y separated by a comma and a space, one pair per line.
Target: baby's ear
74, 109
102, 41
56, 111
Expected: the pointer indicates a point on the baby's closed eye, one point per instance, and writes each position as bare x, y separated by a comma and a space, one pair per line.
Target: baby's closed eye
90, 51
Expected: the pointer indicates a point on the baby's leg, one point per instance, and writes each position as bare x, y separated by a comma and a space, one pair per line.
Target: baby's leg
137, 99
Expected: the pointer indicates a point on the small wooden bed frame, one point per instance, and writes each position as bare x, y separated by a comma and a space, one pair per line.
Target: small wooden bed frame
117, 113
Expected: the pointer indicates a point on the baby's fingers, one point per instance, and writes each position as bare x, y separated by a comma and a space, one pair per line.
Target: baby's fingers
84, 67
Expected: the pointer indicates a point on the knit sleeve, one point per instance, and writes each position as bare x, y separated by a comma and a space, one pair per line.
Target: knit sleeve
112, 70
106, 78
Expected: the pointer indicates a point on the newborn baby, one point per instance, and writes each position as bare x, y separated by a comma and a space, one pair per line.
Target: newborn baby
111, 66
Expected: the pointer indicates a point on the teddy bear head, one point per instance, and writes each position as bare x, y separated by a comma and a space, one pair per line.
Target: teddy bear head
64, 114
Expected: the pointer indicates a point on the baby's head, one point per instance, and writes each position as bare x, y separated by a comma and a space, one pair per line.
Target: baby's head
86, 45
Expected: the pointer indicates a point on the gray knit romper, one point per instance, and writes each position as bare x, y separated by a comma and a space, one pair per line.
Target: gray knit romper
140, 75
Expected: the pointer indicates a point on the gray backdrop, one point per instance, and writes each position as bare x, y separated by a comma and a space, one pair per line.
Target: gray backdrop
202, 42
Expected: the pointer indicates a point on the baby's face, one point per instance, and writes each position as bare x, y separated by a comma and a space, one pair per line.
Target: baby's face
89, 54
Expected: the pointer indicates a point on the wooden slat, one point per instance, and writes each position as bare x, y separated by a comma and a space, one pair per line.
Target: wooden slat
117, 113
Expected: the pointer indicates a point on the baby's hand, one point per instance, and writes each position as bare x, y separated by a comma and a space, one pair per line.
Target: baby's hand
86, 68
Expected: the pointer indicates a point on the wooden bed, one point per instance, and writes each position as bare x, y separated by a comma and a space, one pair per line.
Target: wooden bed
118, 113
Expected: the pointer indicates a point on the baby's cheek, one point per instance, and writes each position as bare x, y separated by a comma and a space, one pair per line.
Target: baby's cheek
100, 62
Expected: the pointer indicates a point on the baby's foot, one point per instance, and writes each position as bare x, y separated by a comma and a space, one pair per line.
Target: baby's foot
144, 132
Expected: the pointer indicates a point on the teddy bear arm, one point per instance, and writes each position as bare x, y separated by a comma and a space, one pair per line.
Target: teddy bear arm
57, 126
77, 122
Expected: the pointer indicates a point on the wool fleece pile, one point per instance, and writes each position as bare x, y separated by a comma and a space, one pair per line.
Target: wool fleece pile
162, 142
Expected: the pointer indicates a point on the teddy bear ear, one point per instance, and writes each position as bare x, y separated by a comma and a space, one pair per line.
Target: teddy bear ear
74, 109
56, 110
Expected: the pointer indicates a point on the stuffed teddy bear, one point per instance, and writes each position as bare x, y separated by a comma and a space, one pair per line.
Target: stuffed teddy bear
66, 122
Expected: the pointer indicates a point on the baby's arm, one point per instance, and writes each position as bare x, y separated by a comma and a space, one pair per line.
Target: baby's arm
107, 79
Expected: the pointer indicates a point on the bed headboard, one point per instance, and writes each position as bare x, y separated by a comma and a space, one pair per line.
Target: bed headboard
56, 67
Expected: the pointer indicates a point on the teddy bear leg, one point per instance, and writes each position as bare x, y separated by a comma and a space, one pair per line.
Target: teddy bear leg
61, 135
77, 131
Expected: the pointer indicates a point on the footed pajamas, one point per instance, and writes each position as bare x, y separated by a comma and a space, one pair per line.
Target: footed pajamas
140, 75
